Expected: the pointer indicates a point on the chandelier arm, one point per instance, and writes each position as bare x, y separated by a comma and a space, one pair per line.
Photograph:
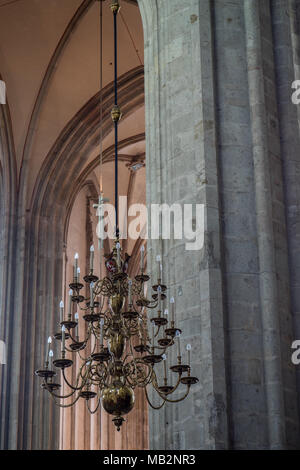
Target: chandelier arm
156, 387
175, 386
102, 377
130, 354
94, 329
75, 341
95, 345
84, 342
153, 406
86, 361
53, 395
62, 397
146, 377
79, 353
152, 303
179, 399
96, 409
76, 388
157, 331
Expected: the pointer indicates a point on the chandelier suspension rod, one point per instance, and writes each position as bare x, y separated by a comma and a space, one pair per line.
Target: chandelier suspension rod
101, 96
116, 122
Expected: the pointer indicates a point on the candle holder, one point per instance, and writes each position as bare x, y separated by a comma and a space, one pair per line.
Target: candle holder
45, 373
77, 346
69, 324
180, 368
62, 363
50, 387
102, 356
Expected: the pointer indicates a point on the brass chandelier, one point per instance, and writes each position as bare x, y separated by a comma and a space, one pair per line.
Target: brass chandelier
122, 346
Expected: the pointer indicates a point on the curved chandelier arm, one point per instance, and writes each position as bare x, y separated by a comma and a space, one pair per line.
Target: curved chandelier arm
156, 387
157, 331
76, 388
179, 399
62, 397
85, 341
83, 377
164, 396
64, 406
153, 406
99, 378
96, 409
79, 354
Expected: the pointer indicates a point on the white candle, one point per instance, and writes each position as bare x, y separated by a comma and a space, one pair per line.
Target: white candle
172, 302
101, 332
77, 321
118, 246
48, 348
70, 302
50, 358
92, 294
159, 298
75, 266
61, 311
188, 348
158, 259
178, 342
142, 258
63, 338
165, 366
78, 275
92, 251
166, 313
130, 292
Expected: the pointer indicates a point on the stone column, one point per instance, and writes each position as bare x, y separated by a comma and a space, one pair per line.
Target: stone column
213, 133
182, 167
286, 29
8, 196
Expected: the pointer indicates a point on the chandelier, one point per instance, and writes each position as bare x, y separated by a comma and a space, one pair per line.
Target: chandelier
123, 343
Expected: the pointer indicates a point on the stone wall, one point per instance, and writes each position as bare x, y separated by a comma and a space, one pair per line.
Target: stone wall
222, 131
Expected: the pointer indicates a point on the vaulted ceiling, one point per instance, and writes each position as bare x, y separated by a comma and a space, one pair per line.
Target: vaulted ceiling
50, 62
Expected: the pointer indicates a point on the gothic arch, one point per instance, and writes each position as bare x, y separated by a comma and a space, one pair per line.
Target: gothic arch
59, 180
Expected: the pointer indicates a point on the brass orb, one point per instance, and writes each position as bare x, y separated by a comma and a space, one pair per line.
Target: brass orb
118, 399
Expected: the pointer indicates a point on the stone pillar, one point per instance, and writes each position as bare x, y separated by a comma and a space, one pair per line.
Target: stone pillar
215, 87
182, 167
286, 29
8, 196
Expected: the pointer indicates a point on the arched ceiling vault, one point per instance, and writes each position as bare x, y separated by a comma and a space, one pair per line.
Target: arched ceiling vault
69, 157
50, 61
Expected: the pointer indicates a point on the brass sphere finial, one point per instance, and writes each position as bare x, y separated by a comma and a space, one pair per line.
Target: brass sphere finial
116, 113
115, 7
